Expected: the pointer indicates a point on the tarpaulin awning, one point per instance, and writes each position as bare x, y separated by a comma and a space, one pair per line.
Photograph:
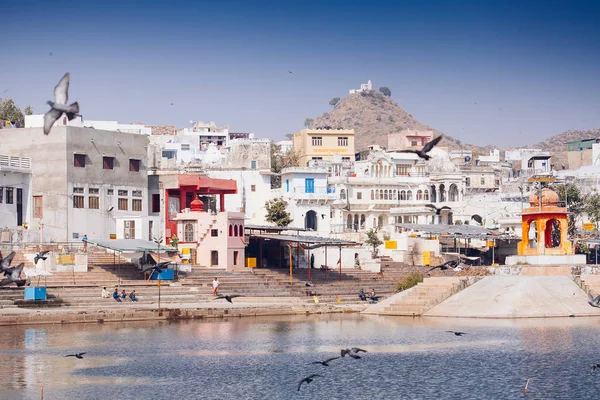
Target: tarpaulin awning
130, 245
165, 257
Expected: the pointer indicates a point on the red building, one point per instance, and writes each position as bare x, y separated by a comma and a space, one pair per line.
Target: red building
179, 195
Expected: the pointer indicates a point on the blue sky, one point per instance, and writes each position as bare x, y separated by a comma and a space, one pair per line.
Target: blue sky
508, 73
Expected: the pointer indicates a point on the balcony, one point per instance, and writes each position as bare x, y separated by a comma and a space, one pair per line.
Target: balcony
303, 193
16, 164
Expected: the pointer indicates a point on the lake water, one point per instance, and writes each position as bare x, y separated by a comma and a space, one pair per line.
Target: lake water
265, 358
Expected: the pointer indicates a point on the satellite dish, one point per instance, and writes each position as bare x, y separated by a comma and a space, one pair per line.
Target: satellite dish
467, 159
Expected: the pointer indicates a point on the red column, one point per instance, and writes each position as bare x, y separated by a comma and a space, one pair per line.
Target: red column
221, 202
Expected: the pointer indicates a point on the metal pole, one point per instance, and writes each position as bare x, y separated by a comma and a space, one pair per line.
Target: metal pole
326, 266
159, 292
309, 266
291, 276
340, 263
493, 249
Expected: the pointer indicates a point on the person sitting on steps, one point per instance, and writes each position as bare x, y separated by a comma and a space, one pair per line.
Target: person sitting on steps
132, 296
362, 295
116, 295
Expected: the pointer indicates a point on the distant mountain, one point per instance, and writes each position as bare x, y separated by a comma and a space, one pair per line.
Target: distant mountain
374, 116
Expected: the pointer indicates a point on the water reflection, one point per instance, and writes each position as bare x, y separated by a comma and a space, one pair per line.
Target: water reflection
264, 358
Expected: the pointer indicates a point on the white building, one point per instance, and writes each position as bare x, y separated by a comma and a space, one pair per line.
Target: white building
15, 191
363, 88
205, 133
37, 121
309, 198
492, 157
285, 146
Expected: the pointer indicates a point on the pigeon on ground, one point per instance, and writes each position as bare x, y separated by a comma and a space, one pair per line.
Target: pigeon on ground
308, 379
326, 362
40, 256
457, 333
13, 275
59, 106
437, 210
426, 149
5, 262
594, 366
445, 266
227, 297
78, 355
594, 302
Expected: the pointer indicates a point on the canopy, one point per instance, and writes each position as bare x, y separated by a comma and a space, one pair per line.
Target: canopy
129, 245
452, 230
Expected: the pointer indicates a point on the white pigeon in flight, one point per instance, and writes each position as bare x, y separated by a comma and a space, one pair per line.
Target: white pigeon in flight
59, 106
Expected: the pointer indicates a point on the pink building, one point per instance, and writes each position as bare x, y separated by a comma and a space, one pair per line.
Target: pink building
214, 240
408, 138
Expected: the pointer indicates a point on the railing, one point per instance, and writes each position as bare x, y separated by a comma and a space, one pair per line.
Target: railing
15, 162
301, 191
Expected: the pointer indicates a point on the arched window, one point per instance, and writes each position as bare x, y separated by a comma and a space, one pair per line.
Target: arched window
241, 231
409, 195
377, 195
453, 193
381, 194
385, 194
188, 232
419, 194
395, 194
230, 230
372, 195
362, 221
235, 230
426, 194
349, 221
343, 194
402, 195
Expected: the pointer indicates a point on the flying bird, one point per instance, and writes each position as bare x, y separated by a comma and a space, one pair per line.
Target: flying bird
426, 149
594, 302
59, 106
345, 352
158, 268
437, 210
594, 366
227, 297
51, 54
357, 350
78, 355
40, 256
445, 266
13, 275
457, 333
5, 263
308, 379
326, 362
290, 72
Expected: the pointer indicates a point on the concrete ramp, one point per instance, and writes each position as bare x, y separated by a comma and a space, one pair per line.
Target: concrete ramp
517, 297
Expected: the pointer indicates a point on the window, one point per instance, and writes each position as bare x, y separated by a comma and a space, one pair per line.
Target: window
419, 194
372, 195
110, 192
358, 195
129, 229
343, 194
136, 205
214, 232
9, 195
483, 180
150, 230
78, 190
235, 230
38, 206
214, 258
253, 188
123, 204
343, 141
108, 162
79, 160
188, 232
241, 230
185, 146
235, 257
467, 182
309, 185
134, 165
230, 230
78, 201
253, 164
317, 141
136, 193
94, 202
287, 185
414, 143
93, 191
402, 170
156, 203
1, 193
123, 192
426, 194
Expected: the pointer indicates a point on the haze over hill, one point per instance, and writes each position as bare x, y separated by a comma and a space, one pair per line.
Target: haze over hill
374, 116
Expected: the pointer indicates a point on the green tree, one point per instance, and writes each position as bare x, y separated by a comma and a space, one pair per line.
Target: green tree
276, 212
571, 197
28, 110
591, 207
308, 122
9, 111
279, 161
333, 102
373, 240
385, 91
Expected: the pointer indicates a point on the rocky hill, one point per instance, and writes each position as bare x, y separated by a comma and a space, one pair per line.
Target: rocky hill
374, 116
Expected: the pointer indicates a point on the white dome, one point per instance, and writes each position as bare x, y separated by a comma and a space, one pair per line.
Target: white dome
440, 161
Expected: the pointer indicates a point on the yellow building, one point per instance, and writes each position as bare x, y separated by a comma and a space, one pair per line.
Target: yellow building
323, 144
